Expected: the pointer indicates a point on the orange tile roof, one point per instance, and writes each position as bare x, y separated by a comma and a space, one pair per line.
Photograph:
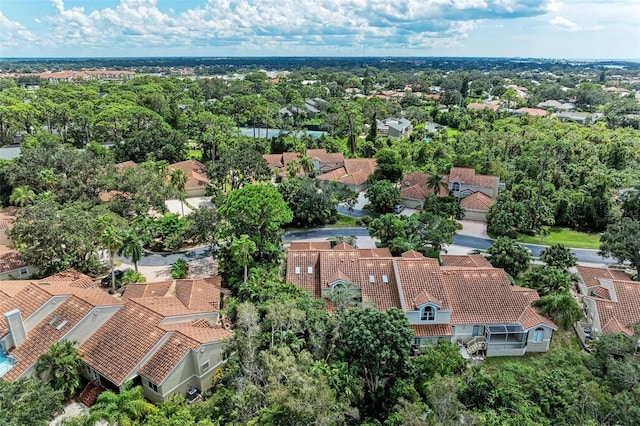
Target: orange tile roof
28, 300
431, 330
310, 245
418, 275
202, 294
72, 310
10, 259
303, 259
355, 171
333, 261
273, 160
479, 106
135, 291
343, 246
116, 348
469, 177
201, 334
412, 254
196, 173
477, 201
590, 276
376, 252
383, 295
466, 260
627, 308
537, 112
414, 187
9, 288
165, 359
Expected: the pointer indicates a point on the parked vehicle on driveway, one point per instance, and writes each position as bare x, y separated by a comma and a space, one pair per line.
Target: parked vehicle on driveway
398, 208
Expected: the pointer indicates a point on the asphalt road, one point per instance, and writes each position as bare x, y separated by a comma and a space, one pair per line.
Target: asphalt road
161, 259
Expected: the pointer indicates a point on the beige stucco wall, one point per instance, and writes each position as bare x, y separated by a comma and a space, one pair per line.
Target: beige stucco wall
15, 273
442, 317
464, 332
539, 346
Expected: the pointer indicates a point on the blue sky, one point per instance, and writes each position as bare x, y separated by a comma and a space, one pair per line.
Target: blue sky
594, 29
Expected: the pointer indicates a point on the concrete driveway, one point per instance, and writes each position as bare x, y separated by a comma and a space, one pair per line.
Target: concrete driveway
193, 203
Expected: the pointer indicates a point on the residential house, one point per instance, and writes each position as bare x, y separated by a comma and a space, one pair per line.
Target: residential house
354, 174
160, 335
556, 105
535, 112
476, 106
414, 189
323, 161
12, 267
476, 206
611, 302
472, 305
578, 117
463, 182
394, 128
197, 181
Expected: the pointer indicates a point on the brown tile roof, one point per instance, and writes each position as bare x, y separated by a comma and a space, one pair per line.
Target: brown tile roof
376, 252
479, 106
414, 187
343, 246
530, 318
355, 171
165, 359
304, 259
469, 177
118, 347
537, 112
70, 277
274, 161
600, 292
200, 331
200, 295
418, 275
325, 157
72, 310
135, 291
340, 276
383, 295
412, 254
477, 201
615, 326
431, 330
590, 275
28, 300
10, 259
627, 308
196, 173
467, 260
310, 245
167, 306
9, 288
485, 296
333, 261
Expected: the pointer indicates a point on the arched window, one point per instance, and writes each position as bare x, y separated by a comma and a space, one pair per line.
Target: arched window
455, 186
428, 313
538, 334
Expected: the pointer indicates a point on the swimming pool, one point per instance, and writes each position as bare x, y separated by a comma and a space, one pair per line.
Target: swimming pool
6, 364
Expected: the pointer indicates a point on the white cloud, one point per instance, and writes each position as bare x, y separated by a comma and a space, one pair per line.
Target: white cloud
14, 34
564, 24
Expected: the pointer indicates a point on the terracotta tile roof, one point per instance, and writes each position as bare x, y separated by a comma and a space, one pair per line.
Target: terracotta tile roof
135, 291
340, 276
333, 261
172, 351
615, 326
201, 295
627, 308
600, 292
167, 306
201, 334
70, 277
479, 106
310, 245
72, 310
468, 260
93, 296
418, 275
414, 187
196, 173
530, 318
381, 294
325, 157
426, 297
28, 300
118, 347
484, 296
343, 246
537, 112
590, 275
477, 201
355, 171
431, 330
300, 261
10, 288
376, 252
10, 259
274, 161
469, 177
412, 254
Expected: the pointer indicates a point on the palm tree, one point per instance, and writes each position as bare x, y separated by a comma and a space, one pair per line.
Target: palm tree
178, 181
21, 196
434, 181
307, 165
122, 408
113, 240
60, 365
131, 248
48, 179
560, 308
242, 251
293, 168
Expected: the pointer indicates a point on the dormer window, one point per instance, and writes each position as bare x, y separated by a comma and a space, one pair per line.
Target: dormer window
428, 313
455, 186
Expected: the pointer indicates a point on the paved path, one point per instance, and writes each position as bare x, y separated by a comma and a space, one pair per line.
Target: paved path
465, 241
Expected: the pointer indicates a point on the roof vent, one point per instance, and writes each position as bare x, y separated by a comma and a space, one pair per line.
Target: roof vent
62, 324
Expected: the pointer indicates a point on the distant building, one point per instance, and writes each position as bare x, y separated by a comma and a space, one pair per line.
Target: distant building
394, 128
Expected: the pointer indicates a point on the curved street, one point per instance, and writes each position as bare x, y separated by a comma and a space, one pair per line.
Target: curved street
466, 241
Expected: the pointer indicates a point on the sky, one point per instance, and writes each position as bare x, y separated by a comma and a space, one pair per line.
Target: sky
565, 29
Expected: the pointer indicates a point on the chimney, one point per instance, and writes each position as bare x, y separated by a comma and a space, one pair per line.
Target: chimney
16, 327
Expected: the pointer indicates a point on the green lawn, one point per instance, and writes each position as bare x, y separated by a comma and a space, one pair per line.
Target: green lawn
344, 221
564, 236
452, 132
195, 154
